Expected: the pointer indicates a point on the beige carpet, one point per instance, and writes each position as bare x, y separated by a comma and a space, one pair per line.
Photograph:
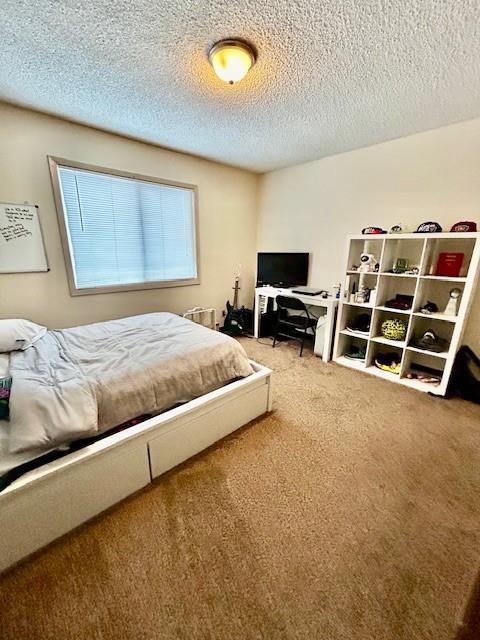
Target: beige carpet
351, 512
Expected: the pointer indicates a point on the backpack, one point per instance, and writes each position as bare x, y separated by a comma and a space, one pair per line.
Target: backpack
465, 378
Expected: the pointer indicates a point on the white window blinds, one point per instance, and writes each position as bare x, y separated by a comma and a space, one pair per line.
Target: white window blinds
124, 231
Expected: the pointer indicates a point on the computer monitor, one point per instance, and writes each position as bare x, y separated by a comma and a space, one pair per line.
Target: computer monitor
282, 269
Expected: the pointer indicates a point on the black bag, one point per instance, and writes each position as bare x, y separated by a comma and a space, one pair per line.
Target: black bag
465, 378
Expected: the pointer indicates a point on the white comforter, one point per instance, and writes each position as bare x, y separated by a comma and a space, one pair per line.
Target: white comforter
85, 380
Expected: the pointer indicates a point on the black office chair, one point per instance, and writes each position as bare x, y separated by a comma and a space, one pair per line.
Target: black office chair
292, 326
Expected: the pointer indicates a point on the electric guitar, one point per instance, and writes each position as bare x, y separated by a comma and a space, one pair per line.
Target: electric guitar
235, 318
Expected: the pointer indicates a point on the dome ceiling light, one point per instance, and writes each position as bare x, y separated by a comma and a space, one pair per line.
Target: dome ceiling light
231, 60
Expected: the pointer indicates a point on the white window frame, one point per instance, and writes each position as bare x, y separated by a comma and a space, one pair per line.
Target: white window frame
54, 163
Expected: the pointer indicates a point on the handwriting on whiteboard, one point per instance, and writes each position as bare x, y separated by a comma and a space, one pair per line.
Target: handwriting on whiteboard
14, 214
14, 231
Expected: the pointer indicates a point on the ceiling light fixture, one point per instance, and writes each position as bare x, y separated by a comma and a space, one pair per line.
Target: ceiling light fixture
231, 60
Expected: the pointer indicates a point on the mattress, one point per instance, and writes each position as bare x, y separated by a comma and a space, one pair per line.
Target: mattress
81, 382
10, 460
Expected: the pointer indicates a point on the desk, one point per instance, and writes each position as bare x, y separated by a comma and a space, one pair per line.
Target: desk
330, 304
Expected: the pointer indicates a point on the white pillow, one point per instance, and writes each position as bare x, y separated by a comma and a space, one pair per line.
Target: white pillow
19, 334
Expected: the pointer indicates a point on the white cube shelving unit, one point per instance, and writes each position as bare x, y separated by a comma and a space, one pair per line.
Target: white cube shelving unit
422, 251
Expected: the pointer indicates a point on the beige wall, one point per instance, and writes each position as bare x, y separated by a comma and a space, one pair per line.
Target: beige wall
310, 207
315, 206
227, 224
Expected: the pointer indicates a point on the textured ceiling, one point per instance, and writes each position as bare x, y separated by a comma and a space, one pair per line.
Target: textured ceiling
331, 75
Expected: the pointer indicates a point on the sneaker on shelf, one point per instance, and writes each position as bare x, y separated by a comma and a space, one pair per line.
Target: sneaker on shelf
424, 377
429, 308
401, 301
356, 353
388, 362
360, 324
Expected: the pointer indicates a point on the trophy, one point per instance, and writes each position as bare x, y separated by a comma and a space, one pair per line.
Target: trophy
452, 305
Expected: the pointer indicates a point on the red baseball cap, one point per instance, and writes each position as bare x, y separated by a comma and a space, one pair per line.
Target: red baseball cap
464, 225
369, 231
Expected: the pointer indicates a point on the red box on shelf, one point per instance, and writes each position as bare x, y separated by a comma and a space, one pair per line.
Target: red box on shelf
449, 264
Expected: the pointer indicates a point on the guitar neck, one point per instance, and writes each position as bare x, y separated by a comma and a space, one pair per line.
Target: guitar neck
235, 295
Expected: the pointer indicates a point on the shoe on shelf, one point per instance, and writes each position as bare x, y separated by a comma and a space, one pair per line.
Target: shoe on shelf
360, 324
357, 353
429, 308
388, 362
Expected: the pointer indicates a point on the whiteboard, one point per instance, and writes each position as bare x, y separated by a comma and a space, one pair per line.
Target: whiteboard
21, 241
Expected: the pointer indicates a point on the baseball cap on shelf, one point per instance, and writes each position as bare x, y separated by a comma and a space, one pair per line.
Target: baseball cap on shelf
399, 228
429, 227
368, 231
430, 341
464, 225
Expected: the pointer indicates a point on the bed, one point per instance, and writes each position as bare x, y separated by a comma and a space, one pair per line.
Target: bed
196, 385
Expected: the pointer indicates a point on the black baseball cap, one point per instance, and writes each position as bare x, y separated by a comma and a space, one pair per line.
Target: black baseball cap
430, 341
429, 227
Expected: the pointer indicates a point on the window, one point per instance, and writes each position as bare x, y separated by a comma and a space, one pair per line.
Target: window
123, 231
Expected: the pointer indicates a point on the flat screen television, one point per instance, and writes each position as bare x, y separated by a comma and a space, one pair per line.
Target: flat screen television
282, 269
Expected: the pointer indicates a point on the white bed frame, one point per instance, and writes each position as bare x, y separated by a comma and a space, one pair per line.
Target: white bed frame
47, 502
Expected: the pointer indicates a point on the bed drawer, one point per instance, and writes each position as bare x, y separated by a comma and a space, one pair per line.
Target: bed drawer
181, 441
33, 515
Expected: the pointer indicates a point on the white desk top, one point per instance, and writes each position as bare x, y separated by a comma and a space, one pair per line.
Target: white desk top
271, 292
